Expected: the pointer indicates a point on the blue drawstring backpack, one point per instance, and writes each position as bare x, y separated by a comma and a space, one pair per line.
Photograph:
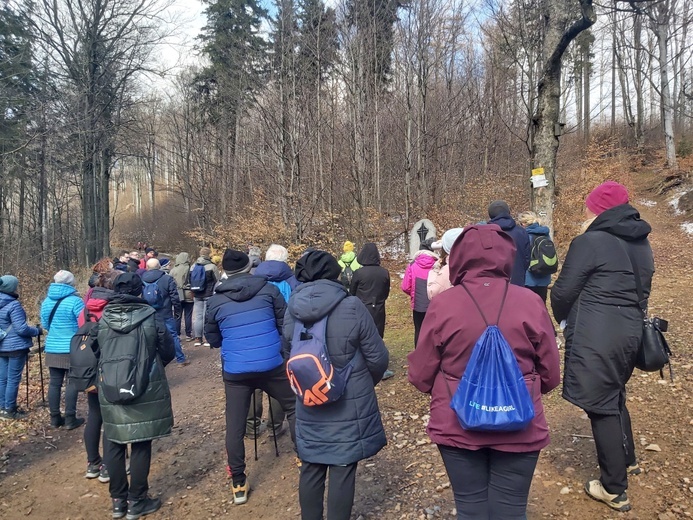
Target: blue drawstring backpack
492, 394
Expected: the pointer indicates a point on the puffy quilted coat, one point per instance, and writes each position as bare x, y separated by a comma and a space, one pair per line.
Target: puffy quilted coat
278, 274
245, 319
150, 416
64, 324
13, 322
595, 292
535, 230
482, 259
349, 429
415, 279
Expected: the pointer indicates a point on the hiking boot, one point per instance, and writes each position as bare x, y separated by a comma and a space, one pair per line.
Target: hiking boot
388, 374
146, 506
57, 421
72, 422
103, 474
120, 507
278, 431
634, 469
14, 415
93, 469
250, 432
240, 492
595, 490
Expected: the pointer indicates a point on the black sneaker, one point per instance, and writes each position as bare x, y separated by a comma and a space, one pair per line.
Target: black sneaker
146, 506
93, 470
72, 422
103, 474
16, 414
120, 507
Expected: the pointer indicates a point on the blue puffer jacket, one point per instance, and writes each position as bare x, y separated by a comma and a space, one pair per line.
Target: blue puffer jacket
521, 239
245, 318
13, 321
279, 274
533, 280
64, 323
350, 429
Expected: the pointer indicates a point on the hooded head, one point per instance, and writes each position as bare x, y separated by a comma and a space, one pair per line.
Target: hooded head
128, 283
182, 258
317, 265
606, 196
481, 251
369, 254
8, 284
65, 277
235, 262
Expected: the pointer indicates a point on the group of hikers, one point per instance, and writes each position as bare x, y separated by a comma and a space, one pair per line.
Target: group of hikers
311, 338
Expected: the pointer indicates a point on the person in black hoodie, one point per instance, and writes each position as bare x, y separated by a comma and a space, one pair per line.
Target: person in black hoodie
499, 213
597, 297
371, 285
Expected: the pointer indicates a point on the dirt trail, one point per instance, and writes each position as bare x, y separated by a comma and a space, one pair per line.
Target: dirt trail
42, 471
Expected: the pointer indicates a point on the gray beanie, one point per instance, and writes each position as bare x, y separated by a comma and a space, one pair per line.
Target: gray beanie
65, 277
8, 284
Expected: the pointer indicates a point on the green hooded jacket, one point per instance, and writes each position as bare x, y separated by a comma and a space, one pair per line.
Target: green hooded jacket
150, 416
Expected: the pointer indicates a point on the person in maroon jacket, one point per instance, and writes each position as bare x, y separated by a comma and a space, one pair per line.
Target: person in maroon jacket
490, 472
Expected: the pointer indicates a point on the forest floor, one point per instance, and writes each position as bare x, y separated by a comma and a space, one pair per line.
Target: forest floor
42, 469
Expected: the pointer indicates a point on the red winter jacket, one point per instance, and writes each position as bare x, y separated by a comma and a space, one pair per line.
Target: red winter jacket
482, 257
94, 305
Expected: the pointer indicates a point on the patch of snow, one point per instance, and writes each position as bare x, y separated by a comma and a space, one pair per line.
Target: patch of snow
674, 202
647, 203
688, 228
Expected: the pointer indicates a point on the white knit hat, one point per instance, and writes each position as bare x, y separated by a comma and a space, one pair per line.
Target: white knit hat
65, 277
449, 238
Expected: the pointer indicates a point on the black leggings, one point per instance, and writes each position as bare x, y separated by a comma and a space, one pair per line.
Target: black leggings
489, 484
140, 461
418, 320
613, 438
57, 376
92, 430
340, 494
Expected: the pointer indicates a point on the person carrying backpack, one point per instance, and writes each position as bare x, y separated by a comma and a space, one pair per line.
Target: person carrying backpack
14, 346
348, 263
204, 276
161, 292
85, 339
332, 438
536, 282
134, 347
499, 214
59, 314
181, 274
245, 319
502, 462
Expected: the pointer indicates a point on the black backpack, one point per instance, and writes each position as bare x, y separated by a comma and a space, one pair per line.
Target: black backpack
125, 361
347, 275
543, 258
84, 355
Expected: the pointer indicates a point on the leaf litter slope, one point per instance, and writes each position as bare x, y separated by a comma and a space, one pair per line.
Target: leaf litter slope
42, 472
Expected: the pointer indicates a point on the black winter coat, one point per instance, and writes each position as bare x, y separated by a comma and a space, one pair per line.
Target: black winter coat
371, 284
596, 294
350, 429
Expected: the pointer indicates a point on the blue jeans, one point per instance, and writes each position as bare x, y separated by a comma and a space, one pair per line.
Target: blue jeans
10, 376
172, 327
199, 311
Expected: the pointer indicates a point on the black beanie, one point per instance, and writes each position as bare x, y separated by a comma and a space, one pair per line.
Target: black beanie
128, 283
317, 265
498, 208
235, 262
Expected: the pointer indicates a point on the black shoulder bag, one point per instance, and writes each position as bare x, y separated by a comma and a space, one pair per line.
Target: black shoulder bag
53, 311
654, 350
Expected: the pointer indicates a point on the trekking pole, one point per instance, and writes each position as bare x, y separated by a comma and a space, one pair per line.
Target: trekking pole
27, 382
274, 430
43, 393
255, 423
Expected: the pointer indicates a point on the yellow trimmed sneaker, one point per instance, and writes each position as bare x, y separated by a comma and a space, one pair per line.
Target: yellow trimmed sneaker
240, 493
595, 489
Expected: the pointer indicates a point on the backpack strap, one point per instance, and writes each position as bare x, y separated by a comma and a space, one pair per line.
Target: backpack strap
505, 293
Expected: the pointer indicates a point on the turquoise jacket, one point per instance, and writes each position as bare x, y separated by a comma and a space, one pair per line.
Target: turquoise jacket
64, 324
